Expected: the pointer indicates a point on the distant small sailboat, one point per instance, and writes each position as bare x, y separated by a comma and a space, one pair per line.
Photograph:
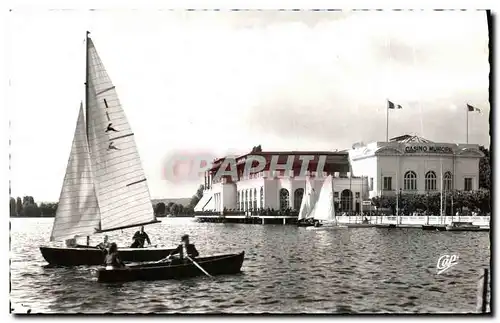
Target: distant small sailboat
105, 187
324, 209
308, 201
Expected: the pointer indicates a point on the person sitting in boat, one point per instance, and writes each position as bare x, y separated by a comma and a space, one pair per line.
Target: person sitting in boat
184, 248
104, 245
112, 260
139, 238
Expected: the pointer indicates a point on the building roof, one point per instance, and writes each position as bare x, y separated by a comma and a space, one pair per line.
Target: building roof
409, 139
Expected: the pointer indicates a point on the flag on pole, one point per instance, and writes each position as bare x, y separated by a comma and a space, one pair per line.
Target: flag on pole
470, 108
391, 105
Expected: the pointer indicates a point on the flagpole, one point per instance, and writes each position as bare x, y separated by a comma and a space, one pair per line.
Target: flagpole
362, 199
387, 123
467, 125
397, 191
441, 211
452, 185
350, 189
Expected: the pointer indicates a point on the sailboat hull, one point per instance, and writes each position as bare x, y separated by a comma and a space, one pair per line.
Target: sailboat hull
328, 227
92, 256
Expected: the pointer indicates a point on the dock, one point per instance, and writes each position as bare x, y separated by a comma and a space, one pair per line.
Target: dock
419, 222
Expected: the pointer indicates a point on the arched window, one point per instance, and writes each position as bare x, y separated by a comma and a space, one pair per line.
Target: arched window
346, 200
448, 181
262, 197
255, 199
410, 181
246, 201
297, 198
284, 199
430, 181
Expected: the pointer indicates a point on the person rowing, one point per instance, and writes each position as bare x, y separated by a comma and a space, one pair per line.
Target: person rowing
184, 249
112, 259
139, 238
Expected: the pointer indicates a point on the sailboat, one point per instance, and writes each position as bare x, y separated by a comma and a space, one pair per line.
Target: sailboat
104, 188
324, 209
307, 205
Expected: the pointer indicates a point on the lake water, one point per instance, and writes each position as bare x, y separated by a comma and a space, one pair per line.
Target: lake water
286, 270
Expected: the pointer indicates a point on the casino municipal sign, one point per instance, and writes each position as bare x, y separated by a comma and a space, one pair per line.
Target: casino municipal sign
428, 149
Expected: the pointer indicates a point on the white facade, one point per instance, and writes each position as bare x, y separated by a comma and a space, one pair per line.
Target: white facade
280, 193
416, 165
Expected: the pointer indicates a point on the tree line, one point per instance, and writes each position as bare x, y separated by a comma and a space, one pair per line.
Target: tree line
478, 201
176, 209
26, 207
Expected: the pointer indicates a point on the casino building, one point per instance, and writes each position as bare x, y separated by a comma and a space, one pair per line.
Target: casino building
407, 164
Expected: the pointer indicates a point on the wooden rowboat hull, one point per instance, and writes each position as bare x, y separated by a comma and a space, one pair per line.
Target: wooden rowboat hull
467, 229
92, 256
434, 227
214, 265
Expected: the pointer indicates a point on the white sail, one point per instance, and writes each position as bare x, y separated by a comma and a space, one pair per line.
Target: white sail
122, 190
78, 212
323, 209
308, 201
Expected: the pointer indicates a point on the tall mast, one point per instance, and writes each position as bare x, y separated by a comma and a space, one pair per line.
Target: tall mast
86, 95
86, 80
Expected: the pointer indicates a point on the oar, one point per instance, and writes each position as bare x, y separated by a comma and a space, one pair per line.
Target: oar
196, 264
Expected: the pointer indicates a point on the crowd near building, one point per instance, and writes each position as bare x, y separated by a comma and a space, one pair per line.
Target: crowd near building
405, 164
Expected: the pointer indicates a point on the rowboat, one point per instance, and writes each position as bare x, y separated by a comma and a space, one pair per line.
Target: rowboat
434, 227
360, 225
105, 187
93, 256
213, 265
465, 226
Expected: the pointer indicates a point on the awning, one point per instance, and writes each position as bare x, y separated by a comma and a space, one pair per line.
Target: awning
203, 203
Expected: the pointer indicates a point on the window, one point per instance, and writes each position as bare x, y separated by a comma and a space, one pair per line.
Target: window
467, 184
336, 194
410, 181
448, 181
246, 200
371, 183
357, 195
297, 198
250, 200
284, 199
387, 184
430, 181
262, 197
346, 200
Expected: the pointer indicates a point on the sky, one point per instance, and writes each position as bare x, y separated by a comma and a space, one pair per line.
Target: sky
223, 82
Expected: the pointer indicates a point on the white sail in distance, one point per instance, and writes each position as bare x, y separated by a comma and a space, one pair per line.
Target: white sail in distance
78, 211
323, 209
308, 200
121, 187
